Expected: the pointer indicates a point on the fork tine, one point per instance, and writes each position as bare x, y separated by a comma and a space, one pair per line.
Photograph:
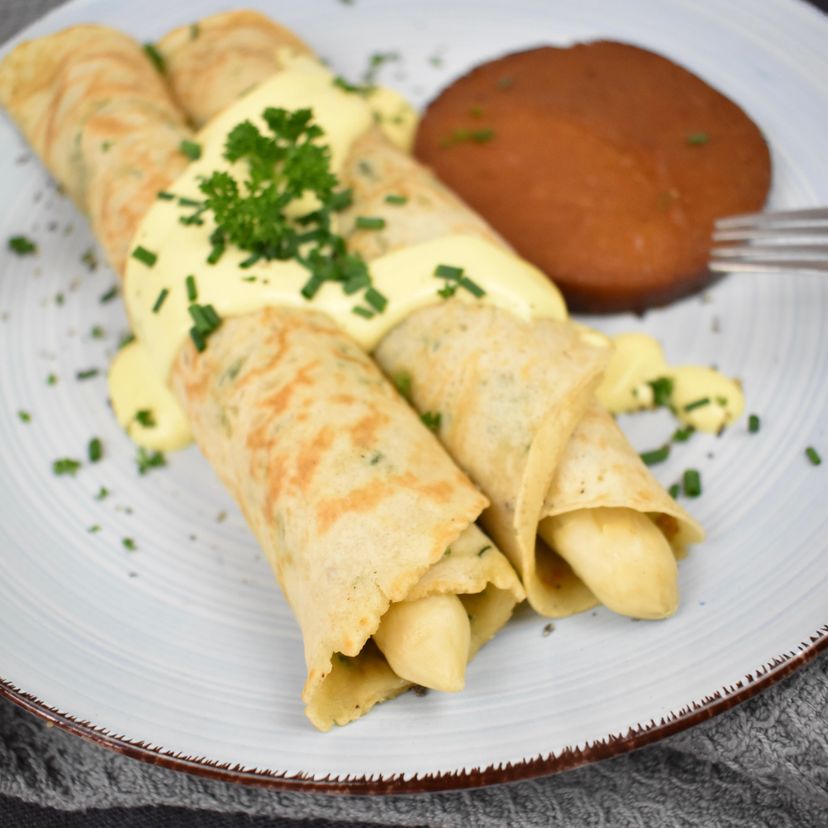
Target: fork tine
770, 232
789, 241
808, 216
749, 265
772, 250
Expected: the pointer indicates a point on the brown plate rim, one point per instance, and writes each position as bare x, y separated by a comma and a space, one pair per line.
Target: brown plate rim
612, 745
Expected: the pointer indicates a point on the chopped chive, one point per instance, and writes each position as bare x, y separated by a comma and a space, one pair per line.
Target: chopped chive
155, 56
754, 423
311, 287
347, 86
22, 246
212, 317
95, 450
198, 316
813, 455
127, 338
90, 259
682, 435
356, 283
365, 313
146, 460
129, 544
24, 416
674, 490
481, 136
51, 379
86, 374
194, 31
194, 219
93, 529
375, 299
697, 139
447, 291
505, 82
198, 339
484, 550
145, 417
431, 419
59, 298
445, 271
341, 200
402, 382
183, 201
692, 406
250, 261
370, 223
192, 291
66, 465
722, 401
249, 278
394, 198
472, 287
97, 332
462, 135
102, 494
144, 256
165, 196
216, 252
692, 483
165, 292
662, 390
658, 455
191, 149
476, 111
109, 295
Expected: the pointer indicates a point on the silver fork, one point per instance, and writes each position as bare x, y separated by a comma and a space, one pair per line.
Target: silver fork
784, 240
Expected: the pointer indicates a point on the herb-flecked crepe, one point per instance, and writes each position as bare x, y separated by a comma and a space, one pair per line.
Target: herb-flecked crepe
353, 500
515, 398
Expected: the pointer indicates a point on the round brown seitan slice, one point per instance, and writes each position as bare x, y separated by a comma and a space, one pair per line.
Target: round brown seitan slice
603, 163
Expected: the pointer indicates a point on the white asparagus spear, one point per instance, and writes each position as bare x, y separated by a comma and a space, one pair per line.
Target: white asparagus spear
427, 641
621, 556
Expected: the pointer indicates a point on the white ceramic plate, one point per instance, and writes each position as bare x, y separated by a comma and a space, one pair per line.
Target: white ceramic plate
183, 652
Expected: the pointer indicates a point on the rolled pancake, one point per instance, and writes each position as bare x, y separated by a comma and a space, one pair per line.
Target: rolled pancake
226, 54
536, 396
352, 499
101, 119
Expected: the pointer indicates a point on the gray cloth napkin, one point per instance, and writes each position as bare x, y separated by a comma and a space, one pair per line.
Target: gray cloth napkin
765, 763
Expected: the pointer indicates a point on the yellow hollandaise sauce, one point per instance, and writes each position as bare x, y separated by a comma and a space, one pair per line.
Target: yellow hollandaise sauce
699, 396
144, 406
160, 288
394, 115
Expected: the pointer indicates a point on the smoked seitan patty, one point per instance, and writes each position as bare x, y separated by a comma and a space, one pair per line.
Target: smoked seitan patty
604, 164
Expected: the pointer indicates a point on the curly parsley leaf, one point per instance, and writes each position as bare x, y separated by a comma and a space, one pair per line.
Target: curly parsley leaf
286, 163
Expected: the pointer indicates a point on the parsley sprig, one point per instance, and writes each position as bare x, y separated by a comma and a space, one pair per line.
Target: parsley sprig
284, 166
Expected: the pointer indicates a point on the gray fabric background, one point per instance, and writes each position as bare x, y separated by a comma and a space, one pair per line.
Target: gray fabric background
764, 763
